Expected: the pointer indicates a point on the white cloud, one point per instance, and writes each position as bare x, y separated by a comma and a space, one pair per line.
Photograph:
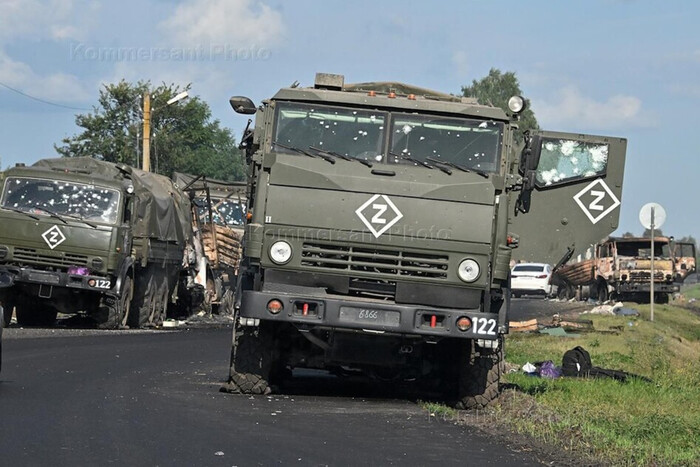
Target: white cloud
568, 107
59, 87
227, 23
52, 19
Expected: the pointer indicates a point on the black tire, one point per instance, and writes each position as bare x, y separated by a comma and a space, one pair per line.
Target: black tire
162, 301
31, 312
480, 373
8, 306
602, 290
144, 302
251, 360
114, 313
661, 298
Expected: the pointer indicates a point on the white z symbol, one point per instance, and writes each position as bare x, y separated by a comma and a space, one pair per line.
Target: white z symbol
54, 237
594, 206
381, 208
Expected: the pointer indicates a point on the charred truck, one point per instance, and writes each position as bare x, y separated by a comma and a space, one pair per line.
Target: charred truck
218, 211
82, 235
620, 269
379, 231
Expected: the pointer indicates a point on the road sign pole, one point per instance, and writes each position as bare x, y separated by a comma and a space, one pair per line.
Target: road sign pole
651, 288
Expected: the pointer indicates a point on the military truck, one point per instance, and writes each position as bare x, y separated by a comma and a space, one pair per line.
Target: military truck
619, 268
218, 219
82, 235
379, 234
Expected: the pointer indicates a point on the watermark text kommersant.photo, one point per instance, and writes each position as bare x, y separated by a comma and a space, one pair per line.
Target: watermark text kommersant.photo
80, 51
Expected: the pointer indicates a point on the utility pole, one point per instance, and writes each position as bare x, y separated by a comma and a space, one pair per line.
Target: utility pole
146, 165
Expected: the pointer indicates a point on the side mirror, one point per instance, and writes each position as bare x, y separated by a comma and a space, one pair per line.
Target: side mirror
530, 157
242, 105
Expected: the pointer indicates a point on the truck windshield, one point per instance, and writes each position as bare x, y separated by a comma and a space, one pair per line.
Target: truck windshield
471, 144
347, 131
63, 198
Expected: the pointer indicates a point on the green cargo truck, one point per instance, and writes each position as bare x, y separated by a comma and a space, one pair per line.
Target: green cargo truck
79, 235
381, 226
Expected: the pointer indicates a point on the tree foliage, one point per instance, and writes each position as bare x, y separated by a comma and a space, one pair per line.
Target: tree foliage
184, 137
495, 89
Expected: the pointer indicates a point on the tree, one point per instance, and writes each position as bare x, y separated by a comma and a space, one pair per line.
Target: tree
184, 137
628, 235
495, 89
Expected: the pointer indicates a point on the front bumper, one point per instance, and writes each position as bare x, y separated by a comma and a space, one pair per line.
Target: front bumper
103, 284
337, 312
632, 287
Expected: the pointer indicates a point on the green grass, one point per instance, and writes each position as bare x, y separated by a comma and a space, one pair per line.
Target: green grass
634, 423
692, 291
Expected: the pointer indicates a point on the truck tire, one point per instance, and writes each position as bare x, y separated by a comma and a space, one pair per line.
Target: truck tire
114, 314
30, 312
251, 360
479, 376
602, 291
661, 298
162, 301
144, 302
8, 307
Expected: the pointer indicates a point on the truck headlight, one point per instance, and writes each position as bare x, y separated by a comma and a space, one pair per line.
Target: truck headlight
468, 270
280, 252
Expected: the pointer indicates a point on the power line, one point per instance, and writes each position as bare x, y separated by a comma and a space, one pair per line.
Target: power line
41, 100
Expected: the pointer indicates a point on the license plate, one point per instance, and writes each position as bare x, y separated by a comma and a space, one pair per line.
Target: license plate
370, 316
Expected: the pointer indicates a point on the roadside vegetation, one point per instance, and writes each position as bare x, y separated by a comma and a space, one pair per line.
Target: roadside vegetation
603, 420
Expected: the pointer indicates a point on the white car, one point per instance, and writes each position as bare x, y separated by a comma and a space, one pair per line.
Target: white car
531, 279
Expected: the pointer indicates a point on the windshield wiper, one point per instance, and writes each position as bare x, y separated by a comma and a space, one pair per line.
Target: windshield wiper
459, 167
13, 209
78, 218
341, 156
51, 213
304, 152
60, 217
420, 162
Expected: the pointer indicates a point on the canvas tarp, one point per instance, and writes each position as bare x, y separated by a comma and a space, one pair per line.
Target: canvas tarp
162, 210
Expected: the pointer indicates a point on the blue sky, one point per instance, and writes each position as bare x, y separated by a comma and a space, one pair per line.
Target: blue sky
619, 68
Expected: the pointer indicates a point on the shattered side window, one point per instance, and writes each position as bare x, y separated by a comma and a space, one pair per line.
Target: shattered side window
45, 196
565, 160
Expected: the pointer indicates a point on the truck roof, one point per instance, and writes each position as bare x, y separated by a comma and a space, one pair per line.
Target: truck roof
393, 96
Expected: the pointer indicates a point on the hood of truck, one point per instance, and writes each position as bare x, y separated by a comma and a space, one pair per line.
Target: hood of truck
51, 237
385, 201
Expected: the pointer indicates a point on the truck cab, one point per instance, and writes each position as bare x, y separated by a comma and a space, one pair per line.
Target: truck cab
379, 234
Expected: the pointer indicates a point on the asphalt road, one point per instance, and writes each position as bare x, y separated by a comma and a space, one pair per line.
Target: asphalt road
88, 397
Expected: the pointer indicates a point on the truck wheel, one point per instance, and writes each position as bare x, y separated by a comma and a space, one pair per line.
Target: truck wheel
661, 298
142, 308
29, 312
114, 314
479, 375
8, 306
251, 360
602, 291
161, 307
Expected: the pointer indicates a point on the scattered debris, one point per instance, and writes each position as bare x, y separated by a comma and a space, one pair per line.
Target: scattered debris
523, 326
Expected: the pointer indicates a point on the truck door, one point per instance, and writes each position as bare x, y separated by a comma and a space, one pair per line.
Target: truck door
576, 197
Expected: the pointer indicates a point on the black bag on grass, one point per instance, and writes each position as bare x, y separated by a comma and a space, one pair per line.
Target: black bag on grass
576, 362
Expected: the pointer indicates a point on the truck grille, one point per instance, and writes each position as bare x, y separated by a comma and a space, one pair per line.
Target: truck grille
390, 263
29, 255
646, 275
